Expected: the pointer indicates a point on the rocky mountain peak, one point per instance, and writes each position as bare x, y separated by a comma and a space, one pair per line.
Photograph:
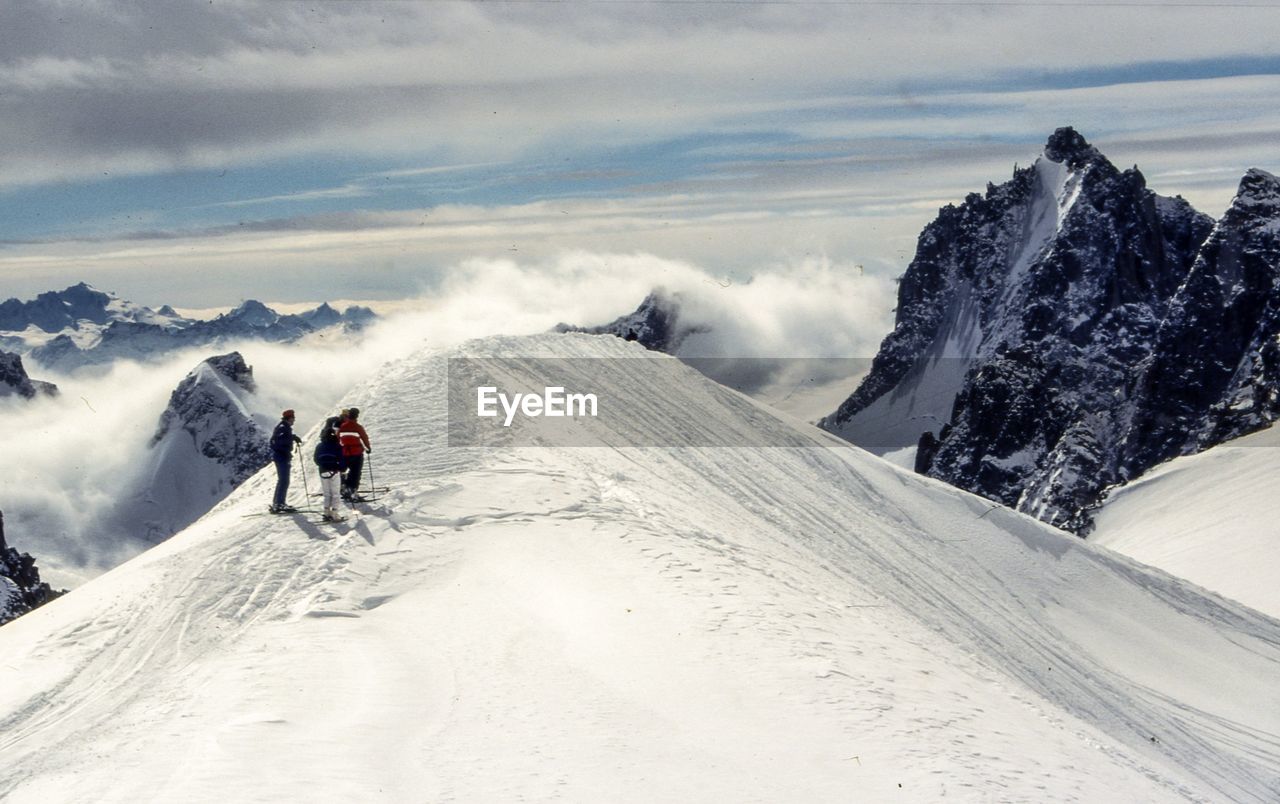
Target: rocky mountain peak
56, 310
254, 313
209, 440
655, 324
1023, 324
1066, 146
234, 369
209, 400
1257, 196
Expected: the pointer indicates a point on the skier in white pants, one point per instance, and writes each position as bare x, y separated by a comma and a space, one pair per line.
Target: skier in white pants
328, 457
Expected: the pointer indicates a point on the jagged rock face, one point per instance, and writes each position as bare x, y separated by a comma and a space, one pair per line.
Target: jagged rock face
1216, 371
1023, 324
208, 406
655, 324
14, 379
21, 589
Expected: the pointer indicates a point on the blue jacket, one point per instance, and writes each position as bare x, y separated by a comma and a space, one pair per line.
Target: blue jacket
282, 441
328, 455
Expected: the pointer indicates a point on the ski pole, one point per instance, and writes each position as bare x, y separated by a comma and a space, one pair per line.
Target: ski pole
373, 487
303, 469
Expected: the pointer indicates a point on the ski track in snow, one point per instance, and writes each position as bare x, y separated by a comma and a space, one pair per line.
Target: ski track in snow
753, 624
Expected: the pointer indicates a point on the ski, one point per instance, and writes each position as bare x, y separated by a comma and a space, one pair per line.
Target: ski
367, 489
282, 513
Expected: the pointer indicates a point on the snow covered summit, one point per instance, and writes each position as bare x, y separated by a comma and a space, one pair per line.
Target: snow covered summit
75, 307
802, 623
210, 438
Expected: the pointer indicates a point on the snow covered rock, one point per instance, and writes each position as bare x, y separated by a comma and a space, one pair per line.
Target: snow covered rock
212, 436
1048, 331
655, 324
728, 623
15, 382
21, 589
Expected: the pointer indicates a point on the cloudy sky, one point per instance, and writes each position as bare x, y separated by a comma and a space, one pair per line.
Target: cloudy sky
201, 153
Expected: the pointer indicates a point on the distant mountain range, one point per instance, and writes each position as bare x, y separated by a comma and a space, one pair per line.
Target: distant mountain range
1070, 329
92, 327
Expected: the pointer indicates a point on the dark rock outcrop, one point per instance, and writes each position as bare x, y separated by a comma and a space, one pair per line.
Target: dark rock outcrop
656, 324
21, 589
1215, 371
14, 379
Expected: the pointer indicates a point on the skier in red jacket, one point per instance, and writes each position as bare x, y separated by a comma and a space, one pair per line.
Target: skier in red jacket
355, 443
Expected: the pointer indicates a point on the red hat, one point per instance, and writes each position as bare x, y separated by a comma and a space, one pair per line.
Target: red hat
288, 414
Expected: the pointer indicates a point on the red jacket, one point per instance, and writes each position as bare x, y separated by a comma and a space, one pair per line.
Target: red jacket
353, 438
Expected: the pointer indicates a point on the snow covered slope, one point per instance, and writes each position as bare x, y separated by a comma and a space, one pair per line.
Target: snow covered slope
803, 623
1212, 518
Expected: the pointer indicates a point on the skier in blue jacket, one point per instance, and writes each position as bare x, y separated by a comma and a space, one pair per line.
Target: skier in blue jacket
330, 462
282, 441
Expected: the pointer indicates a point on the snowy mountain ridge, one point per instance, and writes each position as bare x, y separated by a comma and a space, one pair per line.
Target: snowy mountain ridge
77, 307
803, 623
91, 327
1070, 329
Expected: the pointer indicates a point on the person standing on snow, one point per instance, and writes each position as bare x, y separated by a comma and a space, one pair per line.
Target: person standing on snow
355, 443
282, 441
328, 458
